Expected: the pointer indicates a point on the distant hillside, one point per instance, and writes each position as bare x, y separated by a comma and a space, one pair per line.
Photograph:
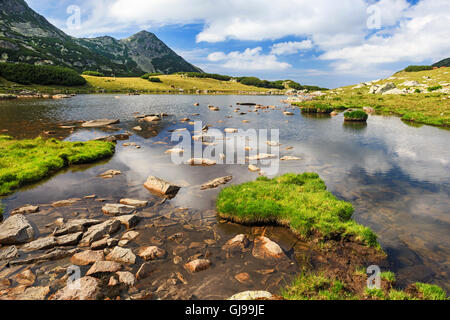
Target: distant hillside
27, 37
443, 63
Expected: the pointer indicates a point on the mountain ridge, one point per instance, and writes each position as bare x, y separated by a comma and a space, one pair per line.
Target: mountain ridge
27, 37
442, 63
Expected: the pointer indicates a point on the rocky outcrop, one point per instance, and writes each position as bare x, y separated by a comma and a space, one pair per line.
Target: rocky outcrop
16, 230
380, 89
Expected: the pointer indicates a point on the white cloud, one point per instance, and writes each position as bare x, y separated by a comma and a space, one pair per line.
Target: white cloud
250, 59
291, 47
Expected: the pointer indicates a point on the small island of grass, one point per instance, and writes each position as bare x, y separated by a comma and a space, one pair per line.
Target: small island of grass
300, 202
315, 108
28, 161
356, 115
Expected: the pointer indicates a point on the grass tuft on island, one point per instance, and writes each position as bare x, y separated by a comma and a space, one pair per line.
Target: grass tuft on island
315, 108
356, 115
298, 201
28, 161
319, 286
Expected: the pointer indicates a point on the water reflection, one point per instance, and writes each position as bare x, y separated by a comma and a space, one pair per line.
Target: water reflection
397, 176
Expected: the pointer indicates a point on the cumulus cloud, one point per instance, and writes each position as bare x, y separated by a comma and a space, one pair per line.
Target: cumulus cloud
250, 59
291, 47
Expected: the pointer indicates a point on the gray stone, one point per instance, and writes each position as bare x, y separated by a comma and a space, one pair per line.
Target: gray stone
75, 226
118, 209
122, 255
99, 123
16, 230
70, 239
129, 221
25, 210
160, 186
216, 183
98, 231
88, 288
40, 244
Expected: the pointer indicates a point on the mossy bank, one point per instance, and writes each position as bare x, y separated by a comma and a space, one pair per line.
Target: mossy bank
28, 161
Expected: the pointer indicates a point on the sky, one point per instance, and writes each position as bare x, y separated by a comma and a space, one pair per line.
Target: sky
322, 42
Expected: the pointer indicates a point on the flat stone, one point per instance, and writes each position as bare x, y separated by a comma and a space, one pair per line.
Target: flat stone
88, 288
65, 203
33, 294
252, 295
134, 203
289, 158
126, 278
197, 265
201, 162
261, 156
265, 248
216, 182
99, 123
129, 221
122, 255
16, 230
104, 243
239, 242
160, 186
138, 128
9, 253
117, 209
25, 210
253, 168
57, 254
130, 235
242, 277
109, 174
40, 244
87, 257
69, 240
75, 226
26, 277
98, 231
104, 267
231, 130
151, 253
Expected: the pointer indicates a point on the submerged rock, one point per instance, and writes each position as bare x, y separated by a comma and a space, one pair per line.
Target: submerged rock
134, 203
65, 203
265, 248
197, 265
117, 209
216, 182
16, 230
99, 123
239, 242
160, 186
151, 253
27, 209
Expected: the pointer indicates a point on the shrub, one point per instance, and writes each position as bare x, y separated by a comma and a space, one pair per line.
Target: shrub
356, 115
148, 75
93, 73
418, 68
157, 80
435, 88
206, 75
44, 75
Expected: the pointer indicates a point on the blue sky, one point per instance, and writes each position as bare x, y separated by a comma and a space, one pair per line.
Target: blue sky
323, 42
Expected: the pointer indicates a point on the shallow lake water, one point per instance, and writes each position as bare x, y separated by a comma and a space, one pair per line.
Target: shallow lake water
396, 175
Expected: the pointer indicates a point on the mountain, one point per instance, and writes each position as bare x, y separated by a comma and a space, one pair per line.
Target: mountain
443, 63
26, 36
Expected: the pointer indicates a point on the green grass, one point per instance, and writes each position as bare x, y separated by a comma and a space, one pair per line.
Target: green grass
431, 292
388, 276
424, 108
356, 115
300, 202
28, 161
315, 108
317, 286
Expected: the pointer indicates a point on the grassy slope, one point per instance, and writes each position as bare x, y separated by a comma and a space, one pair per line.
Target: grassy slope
300, 202
426, 108
169, 83
28, 161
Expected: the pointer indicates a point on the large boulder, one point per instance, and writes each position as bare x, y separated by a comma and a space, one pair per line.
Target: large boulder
160, 186
16, 230
383, 88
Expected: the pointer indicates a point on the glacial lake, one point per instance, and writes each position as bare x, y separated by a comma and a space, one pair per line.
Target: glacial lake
396, 175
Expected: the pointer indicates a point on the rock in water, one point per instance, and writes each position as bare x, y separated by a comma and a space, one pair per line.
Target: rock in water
87, 288
267, 249
252, 295
98, 231
16, 230
160, 186
104, 267
197, 265
240, 242
121, 255
201, 162
216, 182
117, 209
151, 253
129, 221
87, 257
134, 203
99, 123
25, 210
